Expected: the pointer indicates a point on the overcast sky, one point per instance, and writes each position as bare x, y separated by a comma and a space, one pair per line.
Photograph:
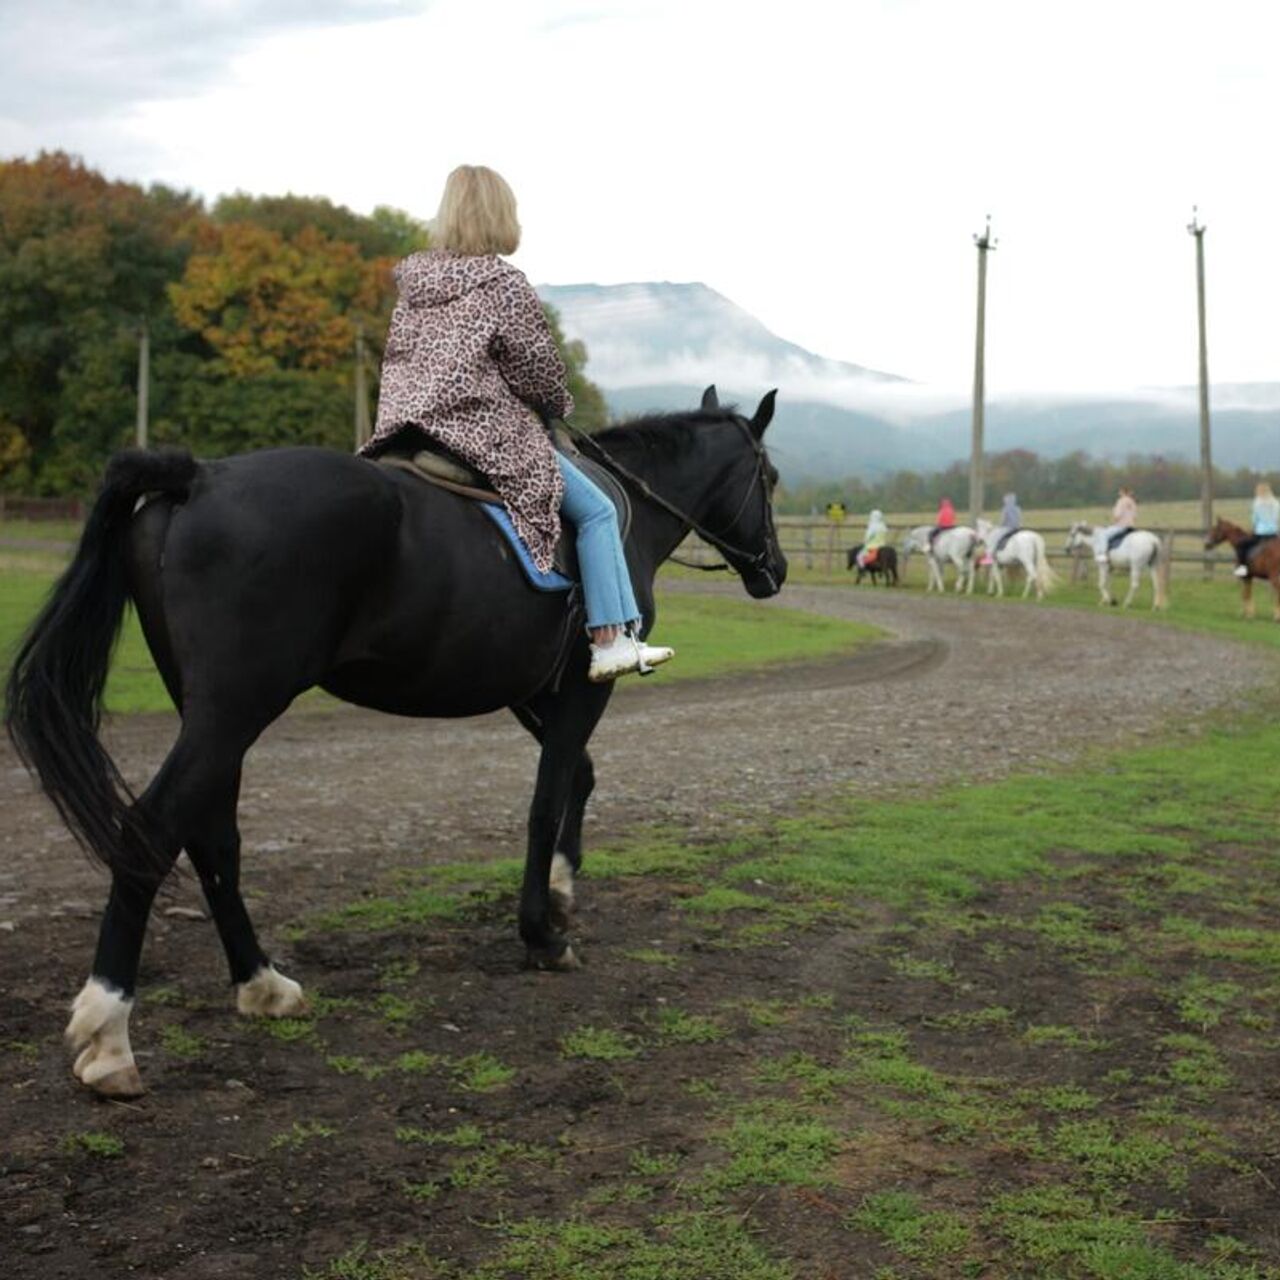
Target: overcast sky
825, 165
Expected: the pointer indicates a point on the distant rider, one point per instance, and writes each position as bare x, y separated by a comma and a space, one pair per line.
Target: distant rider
945, 519
1266, 524
876, 536
471, 363
1010, 522
1011, 513
1124, 515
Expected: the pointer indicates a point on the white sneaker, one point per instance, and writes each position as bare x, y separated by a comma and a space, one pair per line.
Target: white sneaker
624, 655
1241, 571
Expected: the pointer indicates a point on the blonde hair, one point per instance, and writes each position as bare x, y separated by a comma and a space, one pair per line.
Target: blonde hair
1263, 490
477, 213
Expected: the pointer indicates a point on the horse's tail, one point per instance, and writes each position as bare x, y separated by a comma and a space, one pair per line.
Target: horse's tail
53, 699
1046, 576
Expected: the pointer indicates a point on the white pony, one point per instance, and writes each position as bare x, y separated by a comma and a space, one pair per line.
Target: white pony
955, 546
1140, 550
1024, 547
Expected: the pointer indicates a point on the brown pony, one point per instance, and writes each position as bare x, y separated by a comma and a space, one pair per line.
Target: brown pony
1264, 562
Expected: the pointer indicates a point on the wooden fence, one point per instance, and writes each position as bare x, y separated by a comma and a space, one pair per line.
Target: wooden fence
817, 544
41, 508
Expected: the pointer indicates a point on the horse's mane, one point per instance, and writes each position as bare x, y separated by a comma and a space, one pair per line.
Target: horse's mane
668, 433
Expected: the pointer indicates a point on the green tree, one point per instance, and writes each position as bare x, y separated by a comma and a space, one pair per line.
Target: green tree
590, 411
386, 233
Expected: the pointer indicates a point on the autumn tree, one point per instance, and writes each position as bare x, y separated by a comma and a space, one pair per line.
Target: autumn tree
82, 262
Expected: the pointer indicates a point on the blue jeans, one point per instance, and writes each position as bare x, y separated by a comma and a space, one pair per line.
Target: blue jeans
606, 580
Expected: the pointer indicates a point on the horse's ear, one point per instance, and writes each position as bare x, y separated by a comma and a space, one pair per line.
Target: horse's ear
710, 401
764, 413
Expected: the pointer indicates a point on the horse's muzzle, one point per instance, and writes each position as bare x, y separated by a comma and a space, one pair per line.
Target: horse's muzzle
766, 581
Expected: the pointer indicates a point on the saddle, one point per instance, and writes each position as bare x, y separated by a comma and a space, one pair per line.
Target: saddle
1004, 537
1117, 538
428, 460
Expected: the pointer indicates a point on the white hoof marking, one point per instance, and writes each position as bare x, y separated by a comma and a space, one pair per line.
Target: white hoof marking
99, 1029
269, 994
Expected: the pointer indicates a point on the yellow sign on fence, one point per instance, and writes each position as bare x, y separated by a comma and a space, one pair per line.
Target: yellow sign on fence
836, 512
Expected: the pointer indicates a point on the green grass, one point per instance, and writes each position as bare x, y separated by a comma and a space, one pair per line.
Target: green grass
181, 1043
134, 684
300, 1134
598, 1044
102, 1146
713, 635
926, 1236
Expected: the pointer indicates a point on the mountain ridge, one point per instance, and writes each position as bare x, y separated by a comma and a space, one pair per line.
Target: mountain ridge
655, 345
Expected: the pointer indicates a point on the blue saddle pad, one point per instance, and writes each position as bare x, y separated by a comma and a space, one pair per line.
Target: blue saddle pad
550, 581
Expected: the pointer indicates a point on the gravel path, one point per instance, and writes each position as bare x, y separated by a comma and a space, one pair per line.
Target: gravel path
961, 689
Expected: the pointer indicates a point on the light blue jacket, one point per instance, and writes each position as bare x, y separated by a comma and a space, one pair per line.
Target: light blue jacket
1266, 516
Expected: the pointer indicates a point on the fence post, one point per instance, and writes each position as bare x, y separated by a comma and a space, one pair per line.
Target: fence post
1164, 566
808, 546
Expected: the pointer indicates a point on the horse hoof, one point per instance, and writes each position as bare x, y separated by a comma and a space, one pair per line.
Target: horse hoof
125, 1083
565, 962
269, 994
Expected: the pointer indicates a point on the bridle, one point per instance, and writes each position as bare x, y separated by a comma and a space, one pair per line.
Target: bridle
746, 561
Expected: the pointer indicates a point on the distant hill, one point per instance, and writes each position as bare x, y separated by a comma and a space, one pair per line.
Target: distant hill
655, 346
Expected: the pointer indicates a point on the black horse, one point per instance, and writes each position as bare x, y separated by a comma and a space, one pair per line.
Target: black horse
260, 576
886, 563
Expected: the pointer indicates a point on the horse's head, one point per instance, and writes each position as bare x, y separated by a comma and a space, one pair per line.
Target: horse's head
1222, 531
1078, 536
741, 514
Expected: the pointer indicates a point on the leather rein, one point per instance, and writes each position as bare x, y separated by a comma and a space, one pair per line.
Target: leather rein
748, 559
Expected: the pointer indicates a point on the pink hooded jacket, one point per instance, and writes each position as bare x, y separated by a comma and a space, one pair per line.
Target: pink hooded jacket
468, 354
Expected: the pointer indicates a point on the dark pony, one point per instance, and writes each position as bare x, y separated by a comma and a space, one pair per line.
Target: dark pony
1261, 556
885, 565
261, 576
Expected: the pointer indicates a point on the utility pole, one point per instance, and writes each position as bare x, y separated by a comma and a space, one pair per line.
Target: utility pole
984, 242
144, 383
1206, 454
362, 396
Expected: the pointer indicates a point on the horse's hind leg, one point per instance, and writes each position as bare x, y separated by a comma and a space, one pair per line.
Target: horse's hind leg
1135, 581
99, 1026
190, 802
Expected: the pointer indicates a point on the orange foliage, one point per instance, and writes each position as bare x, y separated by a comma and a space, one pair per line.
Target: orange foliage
264, 302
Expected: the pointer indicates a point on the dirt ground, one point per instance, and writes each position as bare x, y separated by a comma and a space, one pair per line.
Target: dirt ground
230, 1168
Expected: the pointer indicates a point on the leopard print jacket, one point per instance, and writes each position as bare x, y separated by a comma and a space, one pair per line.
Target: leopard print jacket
467, 356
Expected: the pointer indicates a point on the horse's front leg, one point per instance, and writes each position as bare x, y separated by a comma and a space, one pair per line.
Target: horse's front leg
1246, 596
555, 819
566, 861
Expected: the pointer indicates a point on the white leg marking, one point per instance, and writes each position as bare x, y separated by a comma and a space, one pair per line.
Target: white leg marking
562, 876
99, 1029
269, 994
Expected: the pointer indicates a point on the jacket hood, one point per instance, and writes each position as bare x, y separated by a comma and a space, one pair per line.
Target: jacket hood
438, 276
